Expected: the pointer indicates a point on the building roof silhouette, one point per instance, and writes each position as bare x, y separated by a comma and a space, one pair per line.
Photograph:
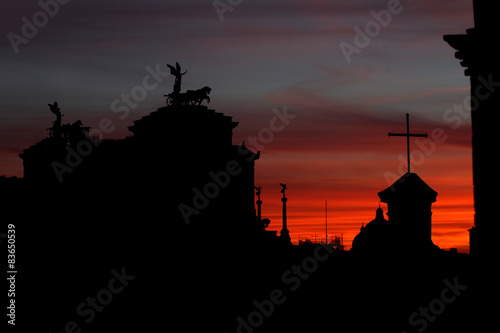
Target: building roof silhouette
410, 185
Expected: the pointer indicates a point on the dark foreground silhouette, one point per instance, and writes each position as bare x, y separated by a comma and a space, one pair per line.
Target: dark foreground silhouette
158, 231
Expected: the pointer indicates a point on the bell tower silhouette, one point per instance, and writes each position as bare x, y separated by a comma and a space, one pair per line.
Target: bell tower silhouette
409, 202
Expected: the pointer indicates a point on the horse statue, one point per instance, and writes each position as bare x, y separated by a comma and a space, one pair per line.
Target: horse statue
71, 131
190, 97
195, 97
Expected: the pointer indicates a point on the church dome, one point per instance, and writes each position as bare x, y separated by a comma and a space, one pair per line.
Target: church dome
372, 235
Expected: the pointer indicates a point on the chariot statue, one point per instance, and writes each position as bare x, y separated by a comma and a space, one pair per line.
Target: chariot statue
190, 97
65, 131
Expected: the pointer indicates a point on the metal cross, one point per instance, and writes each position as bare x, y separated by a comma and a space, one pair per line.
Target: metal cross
408, 135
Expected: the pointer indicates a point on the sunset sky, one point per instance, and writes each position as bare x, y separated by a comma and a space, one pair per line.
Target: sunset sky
260, 55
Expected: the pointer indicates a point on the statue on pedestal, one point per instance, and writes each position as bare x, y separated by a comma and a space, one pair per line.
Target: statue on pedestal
176, 71
190, 97
285, 234
65, 131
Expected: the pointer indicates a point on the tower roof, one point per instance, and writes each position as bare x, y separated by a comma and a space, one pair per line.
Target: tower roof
410, 186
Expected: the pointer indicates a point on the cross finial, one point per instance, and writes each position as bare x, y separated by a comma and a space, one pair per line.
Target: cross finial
408, 135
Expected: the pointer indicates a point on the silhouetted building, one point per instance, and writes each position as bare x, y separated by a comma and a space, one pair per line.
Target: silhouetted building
375, 236
408, 229
51, 160
479, 53
189, 150
179, 164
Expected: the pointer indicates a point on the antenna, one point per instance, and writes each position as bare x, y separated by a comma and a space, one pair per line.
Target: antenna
326, 222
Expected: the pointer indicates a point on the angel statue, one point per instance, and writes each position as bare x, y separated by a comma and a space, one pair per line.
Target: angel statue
258, 188
283, 189
56, 124
176, 71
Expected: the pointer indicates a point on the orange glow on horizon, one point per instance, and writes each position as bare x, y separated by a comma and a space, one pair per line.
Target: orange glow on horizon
353, 201
449, 225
